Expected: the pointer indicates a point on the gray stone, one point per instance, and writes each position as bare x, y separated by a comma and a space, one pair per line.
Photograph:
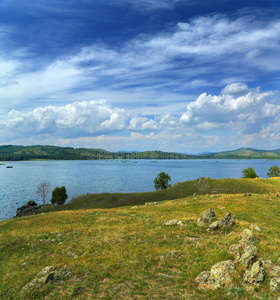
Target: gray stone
206, 217
245, 253
174, 222
255, 227
275, 284
213, 226
219, 276
254, 277
227, 220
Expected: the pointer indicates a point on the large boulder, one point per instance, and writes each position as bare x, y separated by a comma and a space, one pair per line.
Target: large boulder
245, 253
219, 276
206, 217
254, 277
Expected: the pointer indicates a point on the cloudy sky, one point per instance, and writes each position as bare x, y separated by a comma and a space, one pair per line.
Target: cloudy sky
175, 75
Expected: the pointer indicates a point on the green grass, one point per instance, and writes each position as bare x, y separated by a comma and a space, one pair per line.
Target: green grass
115, 253
200, 186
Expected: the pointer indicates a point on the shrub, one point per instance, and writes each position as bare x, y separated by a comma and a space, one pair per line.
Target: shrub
249, 173
161, 181
274, 171
59, 195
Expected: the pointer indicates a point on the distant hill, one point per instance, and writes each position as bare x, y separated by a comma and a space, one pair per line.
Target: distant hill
38, 152
248, 153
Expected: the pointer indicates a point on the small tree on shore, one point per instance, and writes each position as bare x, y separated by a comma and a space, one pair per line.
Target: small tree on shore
249, 173
43, 189
274, 171
162, 181
59, 195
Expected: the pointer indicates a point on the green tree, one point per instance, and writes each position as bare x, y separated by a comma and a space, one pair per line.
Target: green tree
274, 171
59, 195
162, 181
249, 173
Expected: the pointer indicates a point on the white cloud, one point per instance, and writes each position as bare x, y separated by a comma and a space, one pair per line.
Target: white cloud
86, 118
250, 110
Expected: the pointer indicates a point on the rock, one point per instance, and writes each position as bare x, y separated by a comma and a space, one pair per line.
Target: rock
206, 217
271, 269
254, 277
26, 210
151, 203
227, 220
246, 236
42, 278
275, 284
255, 227
31, 203
247, 195
174, 222
45, 276
219, 276
213, 226
193, 239
245, 252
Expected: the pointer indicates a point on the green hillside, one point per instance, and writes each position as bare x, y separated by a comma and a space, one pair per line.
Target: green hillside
12, 152
129, 253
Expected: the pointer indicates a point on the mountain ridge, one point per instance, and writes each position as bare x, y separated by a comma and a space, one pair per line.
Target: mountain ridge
45, 152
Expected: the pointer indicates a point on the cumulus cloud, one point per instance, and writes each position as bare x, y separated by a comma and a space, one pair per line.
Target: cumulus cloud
86, 118
238, 107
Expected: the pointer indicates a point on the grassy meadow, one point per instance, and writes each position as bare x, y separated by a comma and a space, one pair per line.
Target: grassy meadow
127, 253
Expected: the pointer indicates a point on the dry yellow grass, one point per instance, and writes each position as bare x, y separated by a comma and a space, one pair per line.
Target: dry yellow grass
116, 253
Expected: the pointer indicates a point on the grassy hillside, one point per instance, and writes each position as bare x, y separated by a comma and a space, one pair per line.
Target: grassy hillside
127, 252
245, 153
199, 186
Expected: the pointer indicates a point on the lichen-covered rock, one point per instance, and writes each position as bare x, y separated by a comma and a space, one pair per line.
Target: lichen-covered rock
275, 284
42, 278
174, 222
246, 236
206, 217
213, 226
245, 252
271, 269
219, 276
201, 280
227, 220
255, 227
45, 276
249, 255
254, 277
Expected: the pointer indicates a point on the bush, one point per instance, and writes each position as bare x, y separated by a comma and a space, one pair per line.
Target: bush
161, 181
249, 173
274, 171
59, 195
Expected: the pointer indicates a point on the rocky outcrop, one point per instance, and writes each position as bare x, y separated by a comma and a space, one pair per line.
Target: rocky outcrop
206, 217
30, 209
253, 278
227, 221
219, 276
245, 253
48, 274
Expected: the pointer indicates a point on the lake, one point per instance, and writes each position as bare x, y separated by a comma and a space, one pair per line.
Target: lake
18, 184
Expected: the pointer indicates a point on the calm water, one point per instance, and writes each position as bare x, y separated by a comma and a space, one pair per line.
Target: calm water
18, 184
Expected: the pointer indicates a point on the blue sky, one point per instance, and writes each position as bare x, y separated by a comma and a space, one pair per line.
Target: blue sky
174, 75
